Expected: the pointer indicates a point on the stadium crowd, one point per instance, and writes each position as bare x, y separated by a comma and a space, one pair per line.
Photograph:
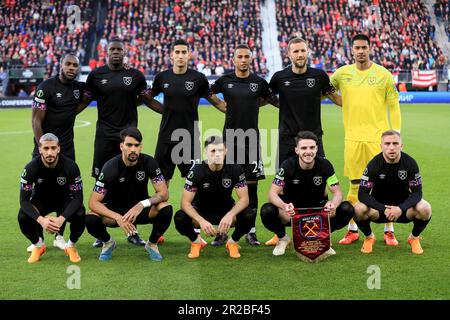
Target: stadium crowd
400, 31
213, 28
33, 32
442, 12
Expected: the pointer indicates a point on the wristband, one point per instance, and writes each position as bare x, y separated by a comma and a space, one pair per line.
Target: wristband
146, 203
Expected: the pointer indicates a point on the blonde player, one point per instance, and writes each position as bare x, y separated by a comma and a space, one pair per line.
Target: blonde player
370, 106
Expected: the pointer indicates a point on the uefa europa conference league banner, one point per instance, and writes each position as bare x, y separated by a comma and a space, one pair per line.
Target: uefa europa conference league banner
405, 97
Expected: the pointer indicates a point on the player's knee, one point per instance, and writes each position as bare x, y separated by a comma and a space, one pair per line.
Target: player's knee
248, 215
22, 216
360, 210
180, 218
268, 212
92, 220
347, 210
80, 214
424, 209
165, 213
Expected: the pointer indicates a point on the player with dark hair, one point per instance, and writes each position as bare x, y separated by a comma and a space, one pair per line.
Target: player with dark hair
301, 182
370, 106
300, 89
118, 91
207, 200
54, 110
120, 197
243, 93
182, 88
391, 190
51, 183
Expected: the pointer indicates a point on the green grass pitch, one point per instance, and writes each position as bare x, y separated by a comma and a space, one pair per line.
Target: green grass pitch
258, 274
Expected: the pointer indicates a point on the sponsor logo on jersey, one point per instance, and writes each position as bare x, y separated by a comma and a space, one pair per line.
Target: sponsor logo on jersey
122, 179
61, 180
287, 83
140, 175
365, 171
310, 82
40, 93
24, 173
382, 176
317, 180
58, 95
206, 185
166, 85
127, 80
76, 94
295, 181
402, 174
230, 86
253, 87
226, 183
190, 175
40, 180
104, 81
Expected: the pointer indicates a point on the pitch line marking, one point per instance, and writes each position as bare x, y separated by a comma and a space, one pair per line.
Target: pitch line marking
83, 124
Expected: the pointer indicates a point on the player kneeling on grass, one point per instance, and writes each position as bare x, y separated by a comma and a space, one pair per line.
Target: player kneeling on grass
301, 182
207, 200
120, 197
391, 191
51, 182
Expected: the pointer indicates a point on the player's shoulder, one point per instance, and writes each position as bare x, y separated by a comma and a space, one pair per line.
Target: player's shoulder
381, 70
315, 71
283, 72
99, 70
406, 158
148, 159
194, 73
376, 162
48, 84
290, 163
112, 164
345, 68
33, 165
324, 162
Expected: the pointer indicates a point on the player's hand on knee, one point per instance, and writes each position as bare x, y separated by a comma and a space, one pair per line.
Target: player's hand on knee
289, 209
132, 214
48, 225
330, 208
208, 228
128, 228
225, 223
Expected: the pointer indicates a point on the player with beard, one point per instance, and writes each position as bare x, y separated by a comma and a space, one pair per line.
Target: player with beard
54, 110
120, 197
118, 91
300, 89
51, 182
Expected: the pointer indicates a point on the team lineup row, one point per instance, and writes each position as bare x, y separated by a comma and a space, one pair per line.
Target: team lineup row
120, 197
366, 90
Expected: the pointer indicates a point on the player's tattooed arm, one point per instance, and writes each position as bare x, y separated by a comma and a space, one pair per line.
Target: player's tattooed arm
148, 99
218, 103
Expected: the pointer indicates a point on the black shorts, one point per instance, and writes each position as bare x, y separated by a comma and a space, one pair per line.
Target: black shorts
213, 216
104, 149
184, 157
286, 148
46, 207
248, 157
383, 219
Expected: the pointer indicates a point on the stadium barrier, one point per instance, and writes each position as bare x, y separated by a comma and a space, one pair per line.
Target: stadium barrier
405, 97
